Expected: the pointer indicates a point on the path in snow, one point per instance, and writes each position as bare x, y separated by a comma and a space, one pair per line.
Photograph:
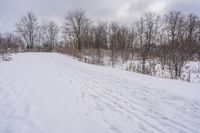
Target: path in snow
52, 93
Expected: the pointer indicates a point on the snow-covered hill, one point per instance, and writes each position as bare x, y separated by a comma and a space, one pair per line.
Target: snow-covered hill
53, 93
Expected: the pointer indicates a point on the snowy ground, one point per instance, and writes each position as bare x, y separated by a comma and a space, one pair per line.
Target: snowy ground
53, 93
190, 71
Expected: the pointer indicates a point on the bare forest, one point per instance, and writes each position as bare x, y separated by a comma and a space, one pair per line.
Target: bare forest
171, 40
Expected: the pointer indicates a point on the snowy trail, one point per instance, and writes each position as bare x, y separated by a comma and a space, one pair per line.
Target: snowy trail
52, 93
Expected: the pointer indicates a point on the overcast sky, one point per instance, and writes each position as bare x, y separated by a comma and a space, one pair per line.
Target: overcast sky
125, 11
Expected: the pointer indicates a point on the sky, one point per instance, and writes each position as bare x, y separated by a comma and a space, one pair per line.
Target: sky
125, 11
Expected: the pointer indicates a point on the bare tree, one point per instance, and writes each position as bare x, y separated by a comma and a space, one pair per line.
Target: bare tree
27, 27
191, 26
76, 25
113, 39
133, 40
172, 19
101, 35
123, 38
147, 31
3, 45
198, 38
50, 31
42, 37
177, 48
140, 30
10, 43
192, 34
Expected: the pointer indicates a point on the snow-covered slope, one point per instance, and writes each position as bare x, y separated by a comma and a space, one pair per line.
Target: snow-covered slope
52, 93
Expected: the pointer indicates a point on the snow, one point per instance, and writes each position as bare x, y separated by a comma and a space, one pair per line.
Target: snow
53, 93
190, 70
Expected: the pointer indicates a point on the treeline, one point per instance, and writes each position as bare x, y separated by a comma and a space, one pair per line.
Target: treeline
173, 38
10, 43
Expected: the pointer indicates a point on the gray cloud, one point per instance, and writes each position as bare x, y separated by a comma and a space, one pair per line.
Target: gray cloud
121, 10
186, 6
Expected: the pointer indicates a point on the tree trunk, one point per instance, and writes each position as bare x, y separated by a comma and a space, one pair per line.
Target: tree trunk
176, 71
79, 45
143, 65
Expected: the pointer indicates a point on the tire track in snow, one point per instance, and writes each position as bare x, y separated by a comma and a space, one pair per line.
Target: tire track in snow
171, 123
169, 98
120, 99
106, 100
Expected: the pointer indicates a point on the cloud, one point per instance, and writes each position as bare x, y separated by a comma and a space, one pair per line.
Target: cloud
126, 11
186, 6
